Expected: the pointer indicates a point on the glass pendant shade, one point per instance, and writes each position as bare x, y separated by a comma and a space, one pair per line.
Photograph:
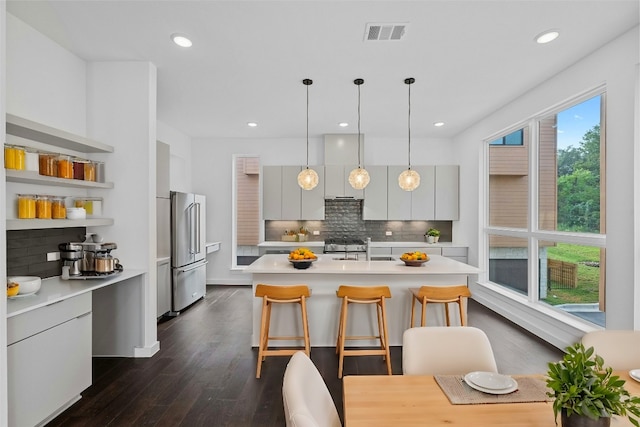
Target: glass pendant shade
409, 180
359, 178
308, 179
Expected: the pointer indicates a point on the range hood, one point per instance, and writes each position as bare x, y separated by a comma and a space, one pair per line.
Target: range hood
340, 157
342, 149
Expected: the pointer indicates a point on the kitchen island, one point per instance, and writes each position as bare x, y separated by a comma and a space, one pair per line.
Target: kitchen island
327, 273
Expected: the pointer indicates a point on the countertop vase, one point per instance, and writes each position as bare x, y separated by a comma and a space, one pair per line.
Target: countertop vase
576, 420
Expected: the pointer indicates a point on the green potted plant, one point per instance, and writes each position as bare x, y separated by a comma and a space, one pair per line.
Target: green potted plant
432, 235
586, 393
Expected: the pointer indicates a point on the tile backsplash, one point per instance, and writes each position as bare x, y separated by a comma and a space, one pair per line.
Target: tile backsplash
343, 218
27, 250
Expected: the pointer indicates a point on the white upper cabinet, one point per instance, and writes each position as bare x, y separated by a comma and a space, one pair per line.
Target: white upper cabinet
399, 201
447, 192
291, 193
337, 182
423, 197
375, 194
283, 199
313, 200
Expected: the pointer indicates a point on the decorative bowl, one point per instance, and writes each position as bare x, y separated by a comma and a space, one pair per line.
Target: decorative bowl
28, 284
301, 264
414, 263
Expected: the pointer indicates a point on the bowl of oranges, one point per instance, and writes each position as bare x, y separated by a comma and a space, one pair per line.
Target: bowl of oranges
302, 258
414, 259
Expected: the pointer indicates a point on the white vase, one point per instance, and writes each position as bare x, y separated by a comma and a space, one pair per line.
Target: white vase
431, 239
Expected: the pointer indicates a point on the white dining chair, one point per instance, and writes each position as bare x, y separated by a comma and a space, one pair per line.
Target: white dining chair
446, 350
307, 401
620, 349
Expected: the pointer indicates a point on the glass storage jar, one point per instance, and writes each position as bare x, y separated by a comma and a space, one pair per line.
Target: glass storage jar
78, 168
31, 162
65, 166
85, 203
14, 157
43, 207
48, 164
89, 170
99, 171
58, 209
26, 206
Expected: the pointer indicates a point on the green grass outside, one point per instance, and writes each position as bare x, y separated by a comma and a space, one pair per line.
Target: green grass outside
588, 277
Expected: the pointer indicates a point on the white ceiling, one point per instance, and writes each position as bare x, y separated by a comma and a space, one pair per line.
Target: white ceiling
249, 57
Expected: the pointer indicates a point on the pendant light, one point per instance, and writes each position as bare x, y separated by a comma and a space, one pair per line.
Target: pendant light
359, 177
409, 180
308, 178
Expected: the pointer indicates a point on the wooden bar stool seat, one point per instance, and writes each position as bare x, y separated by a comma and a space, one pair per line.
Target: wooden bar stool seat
441, 295
279, 294
363, 295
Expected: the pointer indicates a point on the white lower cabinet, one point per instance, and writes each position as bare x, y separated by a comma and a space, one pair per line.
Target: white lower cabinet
48, 359
428, 251
163, 276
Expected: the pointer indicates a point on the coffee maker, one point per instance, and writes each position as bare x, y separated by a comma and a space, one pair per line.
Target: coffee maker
71, 255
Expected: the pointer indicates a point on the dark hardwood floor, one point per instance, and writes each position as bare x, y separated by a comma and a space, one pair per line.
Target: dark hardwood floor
204, 373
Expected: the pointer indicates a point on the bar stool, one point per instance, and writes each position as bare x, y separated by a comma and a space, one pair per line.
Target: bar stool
442, 295
279, 294
363, 295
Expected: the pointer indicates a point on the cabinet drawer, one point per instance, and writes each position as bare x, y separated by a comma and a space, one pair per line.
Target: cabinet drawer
48, 370
454, 252
27, 324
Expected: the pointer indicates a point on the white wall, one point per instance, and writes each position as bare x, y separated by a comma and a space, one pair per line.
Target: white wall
180, 163
615, 65
49, 87
4, 419
212, 173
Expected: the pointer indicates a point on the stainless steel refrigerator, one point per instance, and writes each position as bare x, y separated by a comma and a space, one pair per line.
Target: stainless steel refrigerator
188, 252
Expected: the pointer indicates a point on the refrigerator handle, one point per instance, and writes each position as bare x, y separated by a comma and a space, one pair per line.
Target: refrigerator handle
191, 229
197, 236
184, 270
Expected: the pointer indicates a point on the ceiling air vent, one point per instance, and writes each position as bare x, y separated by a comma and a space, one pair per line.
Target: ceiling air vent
385, 32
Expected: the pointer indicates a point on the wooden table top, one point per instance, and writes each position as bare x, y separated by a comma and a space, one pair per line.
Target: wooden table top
407, 400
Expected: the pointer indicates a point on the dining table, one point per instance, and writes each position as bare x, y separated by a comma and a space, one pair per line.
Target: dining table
415, 400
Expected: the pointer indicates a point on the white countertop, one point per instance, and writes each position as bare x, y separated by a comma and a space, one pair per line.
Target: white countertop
280, 244
437, 265
374, 244
55, 289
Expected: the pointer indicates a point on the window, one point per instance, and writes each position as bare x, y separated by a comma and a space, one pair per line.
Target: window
514, 138
566, 225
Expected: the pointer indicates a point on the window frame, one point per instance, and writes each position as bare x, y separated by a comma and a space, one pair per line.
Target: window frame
532, 233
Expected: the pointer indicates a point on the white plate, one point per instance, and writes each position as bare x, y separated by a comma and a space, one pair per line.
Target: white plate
490, 380
23, 295
635, 374
490, 391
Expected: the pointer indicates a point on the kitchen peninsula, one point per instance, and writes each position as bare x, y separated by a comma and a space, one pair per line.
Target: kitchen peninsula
327, 273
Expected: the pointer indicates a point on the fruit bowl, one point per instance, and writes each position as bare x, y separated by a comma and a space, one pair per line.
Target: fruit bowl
415, 263
301, 264
414, 259
28, 284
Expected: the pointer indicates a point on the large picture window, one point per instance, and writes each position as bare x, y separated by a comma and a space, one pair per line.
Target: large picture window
566, 146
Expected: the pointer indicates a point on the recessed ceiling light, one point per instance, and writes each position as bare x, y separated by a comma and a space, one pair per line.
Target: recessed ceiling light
252, 124
547, 36
343, 124
181, 40
438, 124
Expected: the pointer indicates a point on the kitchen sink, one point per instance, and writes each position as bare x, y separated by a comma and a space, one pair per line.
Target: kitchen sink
382, 258
373, 258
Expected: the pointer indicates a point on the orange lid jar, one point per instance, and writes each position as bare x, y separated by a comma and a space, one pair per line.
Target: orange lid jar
26, 206
65, 167
43, 207
58, 209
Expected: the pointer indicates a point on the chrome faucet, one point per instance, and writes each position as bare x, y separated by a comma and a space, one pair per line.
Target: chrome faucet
368, 248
